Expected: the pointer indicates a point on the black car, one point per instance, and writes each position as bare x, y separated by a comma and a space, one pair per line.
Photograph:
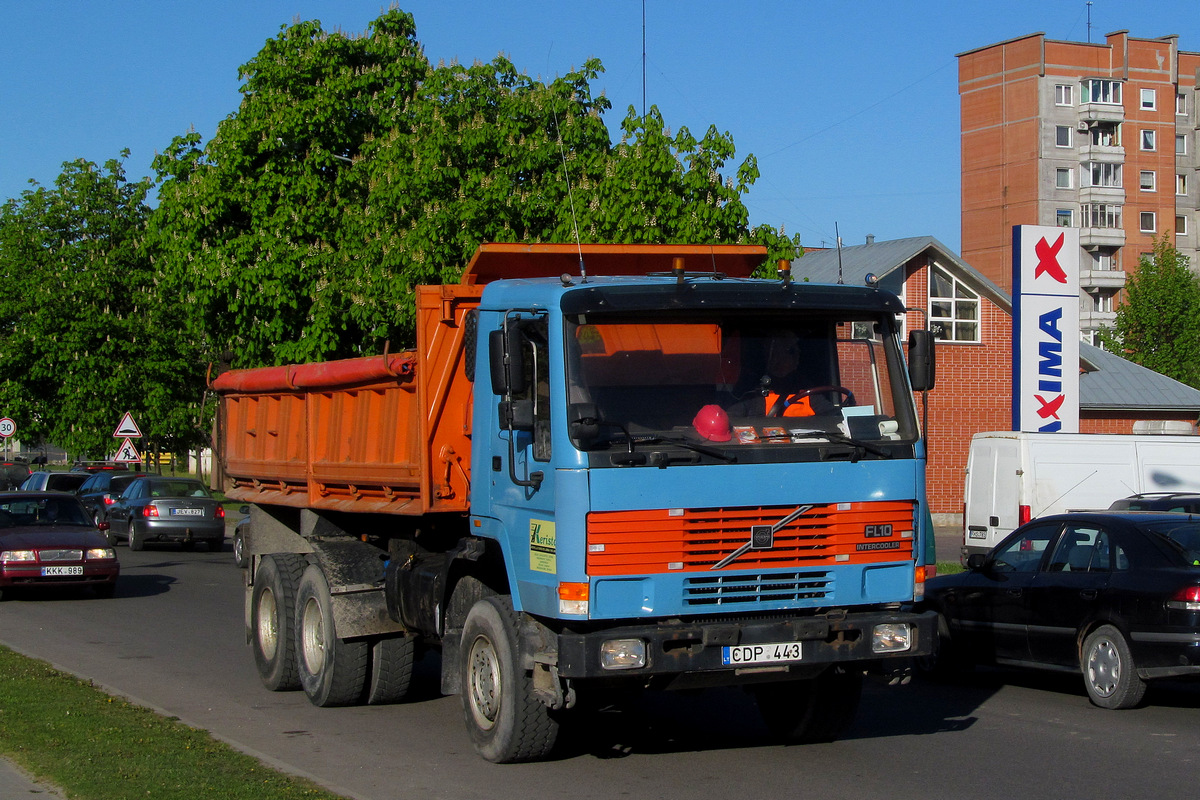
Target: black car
101, 490
1186, 502
1114, 595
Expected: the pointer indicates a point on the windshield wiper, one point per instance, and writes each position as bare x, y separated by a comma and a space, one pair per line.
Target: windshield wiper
704, 450
841, 438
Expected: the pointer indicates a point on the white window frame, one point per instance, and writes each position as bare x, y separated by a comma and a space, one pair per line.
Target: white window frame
1181, 186
1148, 137
1110, 91
1181, 226
1181, 144
1060, 173
1064, 94
1149, 100
1064, 214
1058, 131
1103, 261
1181, 104
1107, 214
1147, 181
1143, 216
1101, 173
966, 310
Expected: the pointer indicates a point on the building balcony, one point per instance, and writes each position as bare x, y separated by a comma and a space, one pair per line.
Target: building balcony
1109, 154
1095, 320
1112, 195
1101, 279
1101, 237
1101, 112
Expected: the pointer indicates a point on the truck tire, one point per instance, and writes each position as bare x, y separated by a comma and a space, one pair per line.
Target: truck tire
272, 620
333, 671
816, 710
391, 670
506, 721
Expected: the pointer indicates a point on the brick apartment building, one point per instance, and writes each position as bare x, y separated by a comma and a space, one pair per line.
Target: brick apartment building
972, 318
1102, 137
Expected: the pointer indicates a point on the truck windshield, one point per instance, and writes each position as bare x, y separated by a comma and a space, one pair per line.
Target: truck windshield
741, 381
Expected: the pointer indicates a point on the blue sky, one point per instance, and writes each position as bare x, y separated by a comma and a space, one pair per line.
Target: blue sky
850, 108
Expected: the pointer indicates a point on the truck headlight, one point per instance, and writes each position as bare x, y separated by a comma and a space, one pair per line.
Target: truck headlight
891, 637
623, 654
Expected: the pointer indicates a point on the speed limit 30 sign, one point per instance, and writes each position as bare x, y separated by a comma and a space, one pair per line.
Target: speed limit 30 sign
7, 427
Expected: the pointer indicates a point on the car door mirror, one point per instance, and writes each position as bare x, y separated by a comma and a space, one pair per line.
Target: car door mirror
976, 562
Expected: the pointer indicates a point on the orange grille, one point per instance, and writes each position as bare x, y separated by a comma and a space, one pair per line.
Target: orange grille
688, 540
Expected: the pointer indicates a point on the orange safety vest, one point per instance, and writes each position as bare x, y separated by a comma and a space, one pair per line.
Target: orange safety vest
791, 408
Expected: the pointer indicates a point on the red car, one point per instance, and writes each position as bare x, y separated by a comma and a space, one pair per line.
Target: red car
48, 539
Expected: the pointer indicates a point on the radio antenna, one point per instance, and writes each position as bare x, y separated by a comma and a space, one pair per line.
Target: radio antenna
838, 238
571, 200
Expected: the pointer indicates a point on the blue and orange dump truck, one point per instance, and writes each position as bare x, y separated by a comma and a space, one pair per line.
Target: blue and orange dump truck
602, 467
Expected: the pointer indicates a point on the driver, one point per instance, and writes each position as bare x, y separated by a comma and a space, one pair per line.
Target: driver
782, 393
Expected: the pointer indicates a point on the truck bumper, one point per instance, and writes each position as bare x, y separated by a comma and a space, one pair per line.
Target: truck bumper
681, 647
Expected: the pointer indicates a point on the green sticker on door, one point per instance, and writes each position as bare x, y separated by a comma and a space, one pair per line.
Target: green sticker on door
542, 546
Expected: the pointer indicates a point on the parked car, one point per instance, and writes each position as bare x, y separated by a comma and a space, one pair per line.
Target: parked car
239, 538
156, 508
42, 481
1114, 595
48, 540
101, 489
12, 474
1187, 502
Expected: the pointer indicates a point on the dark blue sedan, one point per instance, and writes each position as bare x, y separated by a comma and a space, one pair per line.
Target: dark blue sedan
1113, 595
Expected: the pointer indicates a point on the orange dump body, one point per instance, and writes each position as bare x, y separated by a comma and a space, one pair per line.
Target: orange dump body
384, 434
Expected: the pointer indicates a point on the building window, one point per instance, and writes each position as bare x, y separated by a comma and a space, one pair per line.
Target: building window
1180, 225
1103, 260
1098, 173
1100, 91
1064, 94
1181, 104
1181, 144
953, 308
1181, 184
1063, 217
1146, 222
1102, 302
1148, 100
1062, 177
1062, 136
1101, 215
1146, 180
1148, 140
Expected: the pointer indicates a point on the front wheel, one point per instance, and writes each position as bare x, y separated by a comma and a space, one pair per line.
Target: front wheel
816, 710
1108, 670
333, 671
506, 720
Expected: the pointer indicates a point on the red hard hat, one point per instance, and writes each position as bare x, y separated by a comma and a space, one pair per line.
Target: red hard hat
712, 423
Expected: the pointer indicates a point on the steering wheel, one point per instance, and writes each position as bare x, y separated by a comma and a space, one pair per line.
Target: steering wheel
847, 396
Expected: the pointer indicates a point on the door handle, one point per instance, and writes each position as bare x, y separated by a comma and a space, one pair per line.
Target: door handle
1013, 592
1088, 594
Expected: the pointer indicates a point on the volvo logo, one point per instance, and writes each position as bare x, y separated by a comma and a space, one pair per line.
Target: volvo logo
762, 537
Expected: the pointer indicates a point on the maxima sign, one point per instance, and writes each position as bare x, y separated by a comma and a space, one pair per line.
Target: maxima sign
1045, 329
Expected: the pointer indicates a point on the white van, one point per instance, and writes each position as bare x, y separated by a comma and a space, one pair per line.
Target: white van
1013, 476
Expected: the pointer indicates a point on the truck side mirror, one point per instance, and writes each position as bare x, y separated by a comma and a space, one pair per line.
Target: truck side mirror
922, 365
507, 361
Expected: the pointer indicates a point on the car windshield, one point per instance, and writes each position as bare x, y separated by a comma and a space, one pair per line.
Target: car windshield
178, 488
24, 511
1183, 536
766, 381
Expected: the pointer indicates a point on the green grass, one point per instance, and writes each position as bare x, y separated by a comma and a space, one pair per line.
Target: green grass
948, 567
64, 731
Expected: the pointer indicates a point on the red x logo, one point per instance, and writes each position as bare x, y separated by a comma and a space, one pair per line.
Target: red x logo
1049, 409
1048, 259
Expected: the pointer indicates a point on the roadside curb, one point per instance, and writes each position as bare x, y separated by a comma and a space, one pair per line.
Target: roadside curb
15, 782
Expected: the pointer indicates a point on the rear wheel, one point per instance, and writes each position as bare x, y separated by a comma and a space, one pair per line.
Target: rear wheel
239, 551
272, 620
137, 539
333, 671
506, 720
817, 710
391, 670
1108, 670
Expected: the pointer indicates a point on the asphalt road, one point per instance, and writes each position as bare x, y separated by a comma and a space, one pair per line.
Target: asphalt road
172, 639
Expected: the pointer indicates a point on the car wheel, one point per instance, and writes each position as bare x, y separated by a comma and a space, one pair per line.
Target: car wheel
333, 671
239, 551
137, 539
819, 709
272, 620
506, 720
1108, 670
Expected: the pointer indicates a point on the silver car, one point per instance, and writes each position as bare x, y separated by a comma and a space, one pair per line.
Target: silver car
162, 509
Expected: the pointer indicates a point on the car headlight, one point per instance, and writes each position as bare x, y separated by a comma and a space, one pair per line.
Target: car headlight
100, 553
891, 637
17, 555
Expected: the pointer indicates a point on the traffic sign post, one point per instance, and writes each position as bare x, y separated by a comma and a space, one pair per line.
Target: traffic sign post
7, 429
